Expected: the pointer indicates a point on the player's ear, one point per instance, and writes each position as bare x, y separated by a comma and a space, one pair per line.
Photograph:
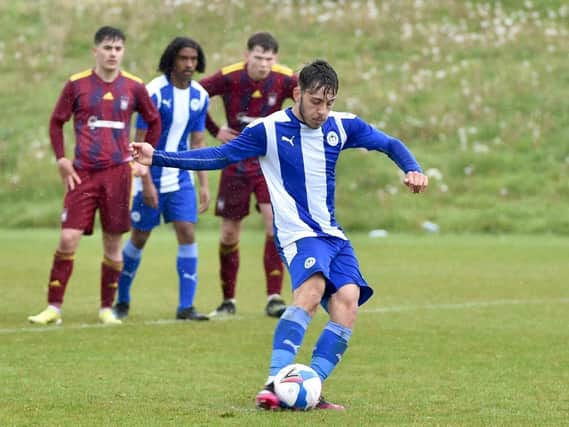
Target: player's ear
296, 94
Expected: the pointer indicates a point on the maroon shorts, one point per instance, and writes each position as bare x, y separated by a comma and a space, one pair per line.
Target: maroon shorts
234, 195
108, 190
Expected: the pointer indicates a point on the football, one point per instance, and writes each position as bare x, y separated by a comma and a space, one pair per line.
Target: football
298, 387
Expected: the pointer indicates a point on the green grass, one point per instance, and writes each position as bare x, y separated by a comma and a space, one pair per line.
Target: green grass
477, 89
462, 331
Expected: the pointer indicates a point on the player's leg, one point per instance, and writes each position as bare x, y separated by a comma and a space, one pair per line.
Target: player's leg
273, 266
111, 268
114, 186
347, 290
143, 218
308, 264
61, 269
333, 341
187, 267
77, 218
180, 208
228, 265
289, 334
132, 255
232, 206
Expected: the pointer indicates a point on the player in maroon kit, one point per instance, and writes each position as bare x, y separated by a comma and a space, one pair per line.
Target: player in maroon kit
251, 89
102, 101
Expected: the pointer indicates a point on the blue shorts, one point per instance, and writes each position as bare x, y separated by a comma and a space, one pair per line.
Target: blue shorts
177, 205
333, 257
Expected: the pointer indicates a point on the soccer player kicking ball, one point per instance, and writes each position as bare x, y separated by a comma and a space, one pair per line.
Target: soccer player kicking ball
298, 149
102, 101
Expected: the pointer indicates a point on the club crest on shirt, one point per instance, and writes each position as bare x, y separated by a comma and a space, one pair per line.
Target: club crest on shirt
332, 139
195, 104
124, 102
271, 99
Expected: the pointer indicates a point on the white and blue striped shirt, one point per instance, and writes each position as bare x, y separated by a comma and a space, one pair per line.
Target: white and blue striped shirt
299, 165
182, 111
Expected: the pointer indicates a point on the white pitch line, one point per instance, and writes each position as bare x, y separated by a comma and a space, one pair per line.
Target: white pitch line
460, 306
380, 310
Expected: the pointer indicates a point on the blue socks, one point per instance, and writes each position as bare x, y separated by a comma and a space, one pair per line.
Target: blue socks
131, 260
288, 337
330, 348
186, 263
187, 266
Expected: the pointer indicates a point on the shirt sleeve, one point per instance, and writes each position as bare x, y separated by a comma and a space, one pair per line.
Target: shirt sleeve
150, 115
61, 114
140, 123
201, 118
292, 83
250, 143
362, 135
214, 85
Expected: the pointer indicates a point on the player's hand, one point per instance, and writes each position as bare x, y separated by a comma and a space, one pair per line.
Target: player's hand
149, 192
68, 173
226, 134
416, 181
142, 152
204, 199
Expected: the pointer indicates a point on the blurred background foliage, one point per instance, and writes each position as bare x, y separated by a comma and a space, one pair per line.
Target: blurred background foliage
478, 90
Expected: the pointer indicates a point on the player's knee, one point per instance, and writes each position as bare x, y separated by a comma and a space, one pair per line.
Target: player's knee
343, 305
229, 235
139, 238
309, 294
69, 240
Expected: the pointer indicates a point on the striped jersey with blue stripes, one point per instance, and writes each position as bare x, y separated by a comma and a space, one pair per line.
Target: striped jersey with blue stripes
182, 111
299, 165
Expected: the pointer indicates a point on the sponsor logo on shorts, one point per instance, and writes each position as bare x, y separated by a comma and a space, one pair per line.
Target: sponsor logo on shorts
220, 204
135, 216
309, 262
332, 139
64, 215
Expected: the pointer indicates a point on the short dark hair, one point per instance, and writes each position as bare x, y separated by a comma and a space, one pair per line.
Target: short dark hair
107, 32
168, 57
318, 74
264, 40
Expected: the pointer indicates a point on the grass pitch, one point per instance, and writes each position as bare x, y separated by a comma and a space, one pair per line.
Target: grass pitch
461, 331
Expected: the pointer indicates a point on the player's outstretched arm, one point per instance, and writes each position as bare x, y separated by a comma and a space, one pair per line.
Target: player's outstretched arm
142, 152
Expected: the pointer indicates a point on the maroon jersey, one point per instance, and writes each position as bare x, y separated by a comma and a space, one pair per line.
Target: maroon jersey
246, 100
101, 115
